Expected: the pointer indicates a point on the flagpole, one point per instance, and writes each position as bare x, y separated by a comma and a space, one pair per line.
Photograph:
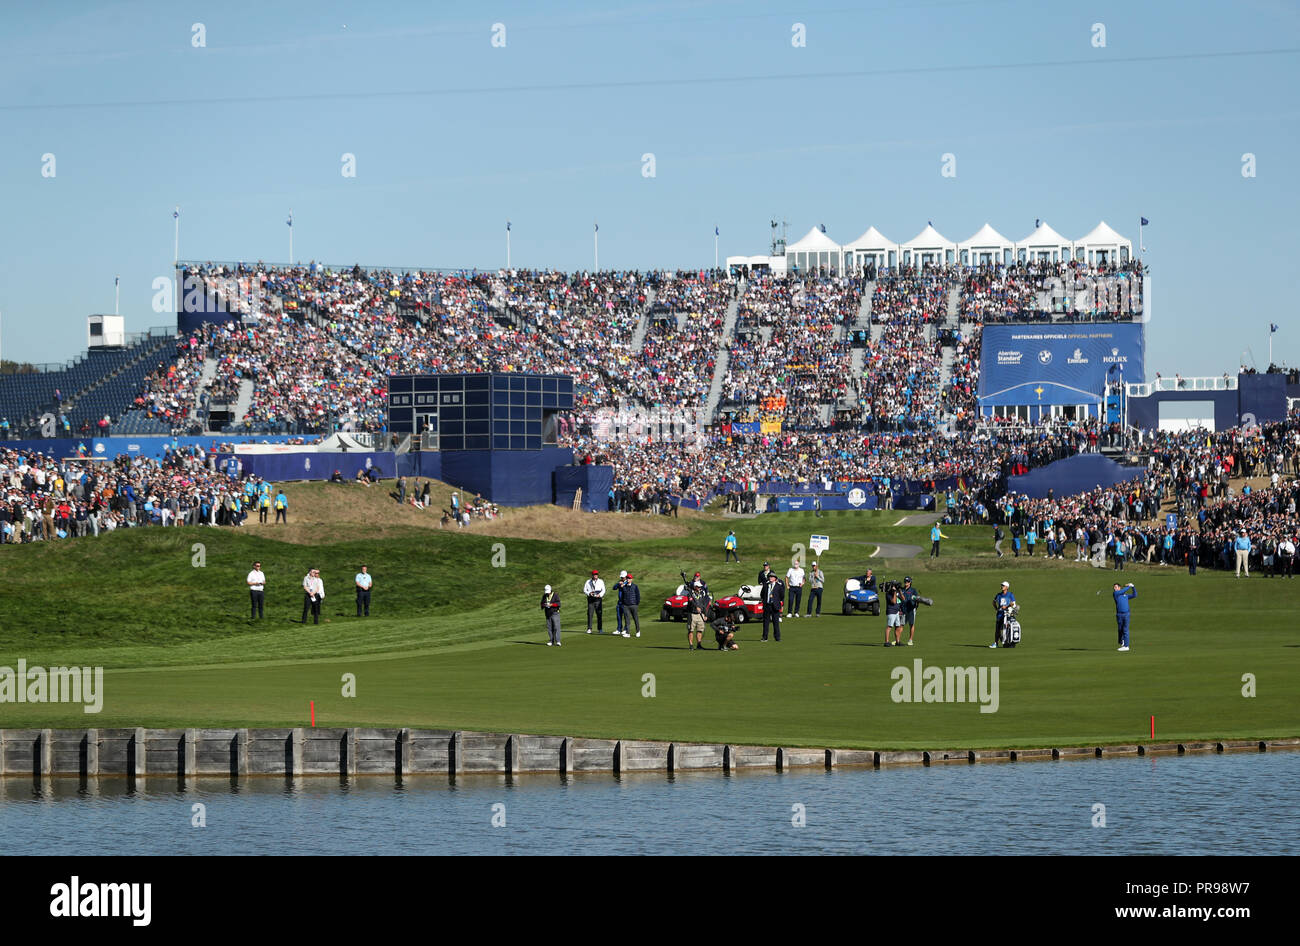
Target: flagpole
117, 293
595, 236
507, 244
176, 245
290, 236
715, 247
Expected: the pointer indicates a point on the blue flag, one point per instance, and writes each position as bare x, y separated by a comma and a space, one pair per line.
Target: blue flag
176, 213
715, 231
290, 220
1146, 222
597, 226
507, 225
1272, 328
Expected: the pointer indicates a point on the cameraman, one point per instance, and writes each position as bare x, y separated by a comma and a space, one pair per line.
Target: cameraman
724, 630
697, 606
893, 612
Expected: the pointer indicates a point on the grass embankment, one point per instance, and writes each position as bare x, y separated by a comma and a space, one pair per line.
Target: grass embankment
455, 641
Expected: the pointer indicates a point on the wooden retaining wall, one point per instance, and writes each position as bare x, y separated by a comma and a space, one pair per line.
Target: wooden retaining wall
241, 753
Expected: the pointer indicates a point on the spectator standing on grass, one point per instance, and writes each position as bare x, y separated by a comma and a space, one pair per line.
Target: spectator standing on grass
313, 593
816, 582
256, 590
618, 603
364, 580
281, 508
729, 544
1242, 546
594, 589
935, 536
773, 596
551, 611
794, 576
630, 597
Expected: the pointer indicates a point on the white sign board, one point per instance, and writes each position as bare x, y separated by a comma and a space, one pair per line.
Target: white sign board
819, 543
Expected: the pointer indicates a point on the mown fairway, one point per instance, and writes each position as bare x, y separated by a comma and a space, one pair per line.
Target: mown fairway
455, 642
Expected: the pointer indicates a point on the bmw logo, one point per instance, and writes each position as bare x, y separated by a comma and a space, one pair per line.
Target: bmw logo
1044, 357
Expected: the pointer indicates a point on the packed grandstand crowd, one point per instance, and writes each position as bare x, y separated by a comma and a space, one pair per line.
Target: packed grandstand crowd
306, 349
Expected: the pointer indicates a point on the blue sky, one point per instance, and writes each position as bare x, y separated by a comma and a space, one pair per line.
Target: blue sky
453, 136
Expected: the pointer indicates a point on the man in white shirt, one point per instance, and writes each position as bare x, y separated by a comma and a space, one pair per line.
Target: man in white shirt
256, 590
313, 589
364, 581
594, 589
794, 584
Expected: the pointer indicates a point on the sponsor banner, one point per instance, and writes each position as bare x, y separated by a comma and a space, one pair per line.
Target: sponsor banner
109, 447
805, 503
1058, 364
748, 428
771, 427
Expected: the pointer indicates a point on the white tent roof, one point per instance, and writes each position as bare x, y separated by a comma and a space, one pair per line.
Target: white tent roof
1045, 236
1103, 235
813, 240
986, 236
927, 238
873, 239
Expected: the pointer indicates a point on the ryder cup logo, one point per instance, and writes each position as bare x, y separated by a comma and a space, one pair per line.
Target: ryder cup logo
1044, 357
856, 497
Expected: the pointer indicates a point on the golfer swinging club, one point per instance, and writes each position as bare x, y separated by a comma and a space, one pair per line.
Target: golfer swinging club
1122, 598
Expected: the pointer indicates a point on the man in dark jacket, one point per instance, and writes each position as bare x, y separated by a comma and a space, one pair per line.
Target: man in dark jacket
551, 609
629, 599
773, 593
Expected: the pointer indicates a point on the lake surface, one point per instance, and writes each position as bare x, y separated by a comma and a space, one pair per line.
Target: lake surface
1236, 803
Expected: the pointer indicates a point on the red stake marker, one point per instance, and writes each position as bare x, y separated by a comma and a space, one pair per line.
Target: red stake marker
1153, 726
313, 717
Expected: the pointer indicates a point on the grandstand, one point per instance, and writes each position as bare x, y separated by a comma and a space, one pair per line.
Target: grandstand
99, 386
307, 349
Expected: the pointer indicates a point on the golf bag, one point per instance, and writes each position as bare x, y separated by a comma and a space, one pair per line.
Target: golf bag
1011, 626
1011, 633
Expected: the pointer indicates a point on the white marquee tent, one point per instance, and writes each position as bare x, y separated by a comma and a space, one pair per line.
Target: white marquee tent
815, 250
929, 248
984, 247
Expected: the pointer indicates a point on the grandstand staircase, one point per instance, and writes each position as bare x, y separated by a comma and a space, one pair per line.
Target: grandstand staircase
954, 308
864, 311
720, 361
205, 381
243, 402
638, 335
